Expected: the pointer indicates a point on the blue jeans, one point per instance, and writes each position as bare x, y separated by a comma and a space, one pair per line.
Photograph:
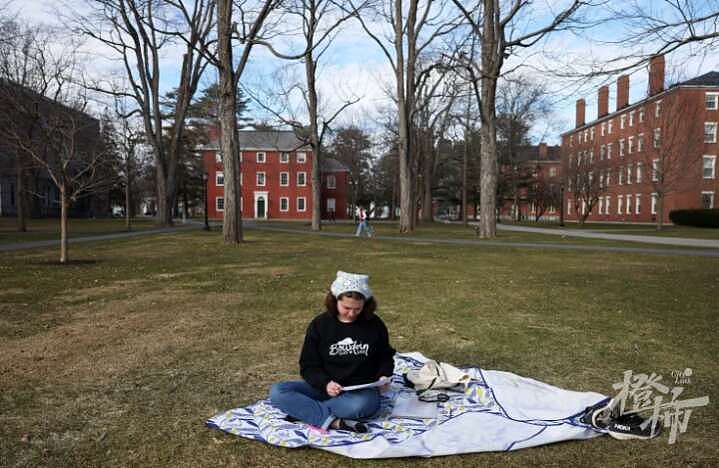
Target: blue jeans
363, 227
301, 400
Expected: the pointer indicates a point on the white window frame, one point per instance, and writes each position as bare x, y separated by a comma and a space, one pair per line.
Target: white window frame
607, 204
641, 114
218, 157
332, 204
217, 203
261, 157
301, 157
631, 118
603, 129
621, 148
284, 157
628, 209
657, 137
286, 200
608, 179
264, 179
287, 179
640, 143
655, 199
622, 121
240, 156
609, 150
713, 133
715, 100
220, 179
304, 203
569, 206
713, 159
331, 178
658, 108
639, 173
620, 202
630, 145
601, 205
620, 176
602, 152
591, 134
304, 179
655, 170
629, 174
711, 198
609, 126
637, 203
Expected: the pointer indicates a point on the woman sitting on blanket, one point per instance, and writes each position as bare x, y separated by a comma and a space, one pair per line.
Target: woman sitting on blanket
344, 346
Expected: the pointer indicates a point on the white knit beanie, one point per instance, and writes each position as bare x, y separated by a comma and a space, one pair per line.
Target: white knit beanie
351, 282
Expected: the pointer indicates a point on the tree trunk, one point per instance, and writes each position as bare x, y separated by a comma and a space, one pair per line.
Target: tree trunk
310, 71
20, 198
229, 138
63, 224
128, 199
660, 211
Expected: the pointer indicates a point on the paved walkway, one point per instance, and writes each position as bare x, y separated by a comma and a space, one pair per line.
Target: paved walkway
678, 241
116, 235
489, 243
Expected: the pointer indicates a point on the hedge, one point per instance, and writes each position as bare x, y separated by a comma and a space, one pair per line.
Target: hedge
698, 218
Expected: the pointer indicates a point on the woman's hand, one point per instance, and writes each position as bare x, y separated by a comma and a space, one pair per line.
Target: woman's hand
384, 387
333, 388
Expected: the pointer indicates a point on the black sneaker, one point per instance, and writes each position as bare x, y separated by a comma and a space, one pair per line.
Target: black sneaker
632, 426
353, 426
600, 415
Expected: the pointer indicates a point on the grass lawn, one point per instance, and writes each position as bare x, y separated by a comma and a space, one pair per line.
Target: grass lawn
126, 352
47, 228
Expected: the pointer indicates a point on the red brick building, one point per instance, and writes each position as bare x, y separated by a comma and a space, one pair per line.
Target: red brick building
276, 178
530, 187
650, 157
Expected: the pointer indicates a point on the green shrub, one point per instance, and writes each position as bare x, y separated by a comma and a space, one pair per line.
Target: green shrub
698, 218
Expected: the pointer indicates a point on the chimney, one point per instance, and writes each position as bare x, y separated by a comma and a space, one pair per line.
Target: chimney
581, 106
603, 103
622, 91
656, 74
542, 151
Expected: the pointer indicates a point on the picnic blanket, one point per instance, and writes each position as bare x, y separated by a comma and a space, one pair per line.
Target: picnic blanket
498, 411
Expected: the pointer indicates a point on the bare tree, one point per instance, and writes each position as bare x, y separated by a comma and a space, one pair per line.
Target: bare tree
584, 183
137, 31
415, 25
62, 140
502, 28
127, 139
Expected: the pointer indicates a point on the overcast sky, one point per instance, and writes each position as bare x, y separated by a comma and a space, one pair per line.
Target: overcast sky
355, 67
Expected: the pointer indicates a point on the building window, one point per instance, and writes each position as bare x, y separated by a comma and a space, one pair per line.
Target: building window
591, 156
711, 100
609, 151
552, 172
630, 145
609, 177
620, 199
639, 173
284, 204
601, 205
591, 133
638, 204
260, 179
640, 143
601, 180
620, 175
331, 182
571, 141
218, 157
301, 157
631, 118
655, 170
709, 166
569, 206
710, 132
219, 179
622, 121
657, 141
240, 156
621, 148
629, 204
658, 108
629, 174
261, 158
654, 203
301, 204
641, 114
707, 200
220, 203
602, 152
301, 179
603, 129
609, 127
284, 179
607, 202
284, 158
331, 204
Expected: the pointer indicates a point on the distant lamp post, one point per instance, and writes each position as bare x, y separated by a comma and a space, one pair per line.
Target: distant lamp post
204, 194
561, 204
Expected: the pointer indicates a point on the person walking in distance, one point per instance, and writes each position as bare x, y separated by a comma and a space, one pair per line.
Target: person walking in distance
362, 226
